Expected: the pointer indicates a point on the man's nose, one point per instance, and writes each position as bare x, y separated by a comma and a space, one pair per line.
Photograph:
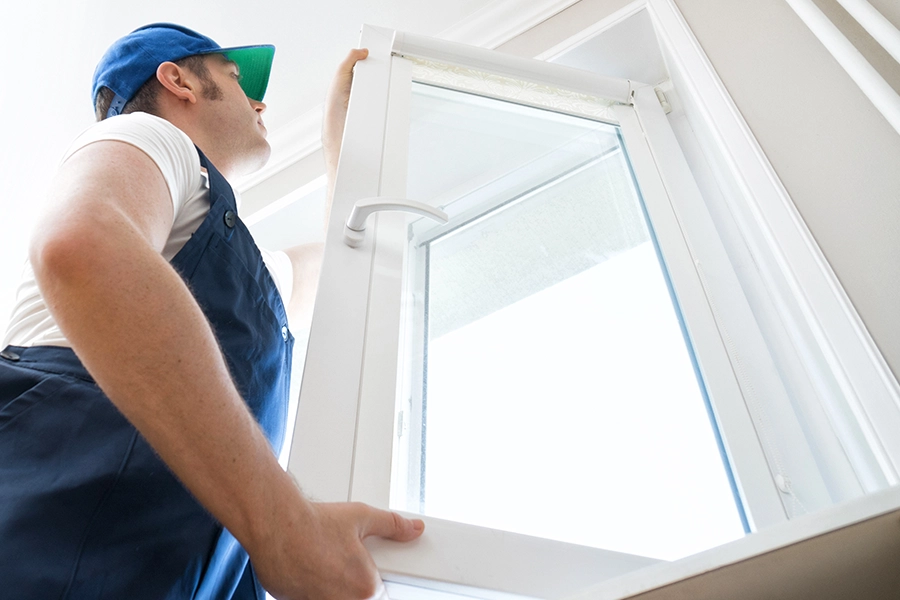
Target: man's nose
258, 106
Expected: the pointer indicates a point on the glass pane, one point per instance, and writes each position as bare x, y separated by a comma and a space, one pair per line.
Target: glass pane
547, 385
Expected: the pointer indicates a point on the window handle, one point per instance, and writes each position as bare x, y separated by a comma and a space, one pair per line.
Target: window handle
355, 229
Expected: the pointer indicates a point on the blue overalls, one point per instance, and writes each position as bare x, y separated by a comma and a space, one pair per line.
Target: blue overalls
87, 509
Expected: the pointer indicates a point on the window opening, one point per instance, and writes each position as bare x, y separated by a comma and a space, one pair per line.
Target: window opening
543, 398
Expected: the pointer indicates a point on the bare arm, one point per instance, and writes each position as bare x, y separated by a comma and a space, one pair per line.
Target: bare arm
140, 333
306, 259
335, 116
306, 262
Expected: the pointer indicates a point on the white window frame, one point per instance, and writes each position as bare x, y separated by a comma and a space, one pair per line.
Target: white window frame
333, 423
799, 269
351, 459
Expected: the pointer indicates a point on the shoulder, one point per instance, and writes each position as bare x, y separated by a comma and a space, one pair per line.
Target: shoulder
143, 130
171, 149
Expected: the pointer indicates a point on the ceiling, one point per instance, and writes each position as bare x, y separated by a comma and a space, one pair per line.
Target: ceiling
51, 48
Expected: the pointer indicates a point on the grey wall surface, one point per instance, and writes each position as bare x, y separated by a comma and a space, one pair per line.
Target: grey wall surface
837, 156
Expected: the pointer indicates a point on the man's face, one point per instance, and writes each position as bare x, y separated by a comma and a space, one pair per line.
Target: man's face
233, 120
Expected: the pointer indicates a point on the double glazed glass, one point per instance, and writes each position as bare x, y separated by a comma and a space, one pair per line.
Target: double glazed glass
547, 383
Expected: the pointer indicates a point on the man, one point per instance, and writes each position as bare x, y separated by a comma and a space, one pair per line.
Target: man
144, 386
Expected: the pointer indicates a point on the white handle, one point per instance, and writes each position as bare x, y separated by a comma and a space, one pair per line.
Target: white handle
355, 229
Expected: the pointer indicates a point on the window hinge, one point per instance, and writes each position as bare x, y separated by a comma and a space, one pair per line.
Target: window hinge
663, 101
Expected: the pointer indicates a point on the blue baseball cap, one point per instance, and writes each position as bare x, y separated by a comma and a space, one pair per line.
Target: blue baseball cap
133, 59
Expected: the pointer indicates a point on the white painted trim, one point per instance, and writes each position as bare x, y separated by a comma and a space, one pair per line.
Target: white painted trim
280, 204
593, 30
872, 84
864, 376
876, 24
502, 20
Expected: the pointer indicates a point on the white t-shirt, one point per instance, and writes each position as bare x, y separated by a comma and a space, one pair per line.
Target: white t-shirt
173, 152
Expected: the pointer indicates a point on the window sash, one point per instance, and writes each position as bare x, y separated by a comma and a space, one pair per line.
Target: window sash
343, 444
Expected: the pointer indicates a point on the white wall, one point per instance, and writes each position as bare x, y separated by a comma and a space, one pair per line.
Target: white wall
834, 152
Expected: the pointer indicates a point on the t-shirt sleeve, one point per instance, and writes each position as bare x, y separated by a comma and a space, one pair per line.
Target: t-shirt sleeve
169, 147
281, 270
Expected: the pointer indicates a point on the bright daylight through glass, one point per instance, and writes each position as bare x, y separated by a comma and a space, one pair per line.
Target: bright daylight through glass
547, 385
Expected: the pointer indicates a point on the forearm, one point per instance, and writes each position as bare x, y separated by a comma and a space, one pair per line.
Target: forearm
306, 262
141, 334
331, 148
336, 104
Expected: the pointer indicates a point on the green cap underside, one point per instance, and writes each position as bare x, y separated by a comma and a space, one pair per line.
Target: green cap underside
254, 63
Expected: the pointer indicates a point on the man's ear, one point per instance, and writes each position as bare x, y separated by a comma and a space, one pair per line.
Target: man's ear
177, 81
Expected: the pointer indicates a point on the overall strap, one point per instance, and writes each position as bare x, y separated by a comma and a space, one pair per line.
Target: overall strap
218, 183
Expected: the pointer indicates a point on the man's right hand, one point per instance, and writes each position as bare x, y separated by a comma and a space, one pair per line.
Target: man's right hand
321, 556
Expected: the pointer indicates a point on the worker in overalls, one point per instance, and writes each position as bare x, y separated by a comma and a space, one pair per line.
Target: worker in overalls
145, 373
